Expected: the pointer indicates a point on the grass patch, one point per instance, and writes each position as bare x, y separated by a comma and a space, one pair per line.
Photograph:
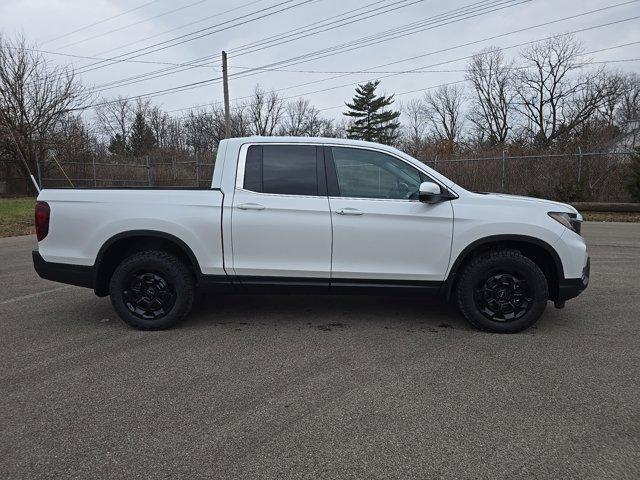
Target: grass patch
611, 216
16, 216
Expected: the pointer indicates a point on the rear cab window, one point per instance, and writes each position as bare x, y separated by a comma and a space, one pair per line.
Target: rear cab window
285, 170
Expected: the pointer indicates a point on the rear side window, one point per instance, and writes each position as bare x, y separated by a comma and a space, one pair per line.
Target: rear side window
281, 169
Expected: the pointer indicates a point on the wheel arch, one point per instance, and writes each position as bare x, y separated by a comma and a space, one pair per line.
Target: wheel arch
124, 244
538, 251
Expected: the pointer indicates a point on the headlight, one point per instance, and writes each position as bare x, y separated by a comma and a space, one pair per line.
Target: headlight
572, 221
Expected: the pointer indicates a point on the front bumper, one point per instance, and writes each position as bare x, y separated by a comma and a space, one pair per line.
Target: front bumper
572, 287
79, 275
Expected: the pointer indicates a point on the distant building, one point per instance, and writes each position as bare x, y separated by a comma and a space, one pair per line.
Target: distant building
629, 139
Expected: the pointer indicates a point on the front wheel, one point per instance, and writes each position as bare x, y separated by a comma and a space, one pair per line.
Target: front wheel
502, 291
152, 290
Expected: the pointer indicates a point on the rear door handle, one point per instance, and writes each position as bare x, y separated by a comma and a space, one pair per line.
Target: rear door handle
250, 206
349, 211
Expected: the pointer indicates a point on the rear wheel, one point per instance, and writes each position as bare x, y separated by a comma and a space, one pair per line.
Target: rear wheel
502, 291
152, 290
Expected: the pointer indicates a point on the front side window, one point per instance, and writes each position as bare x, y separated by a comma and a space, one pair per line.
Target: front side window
281, 169
369, 174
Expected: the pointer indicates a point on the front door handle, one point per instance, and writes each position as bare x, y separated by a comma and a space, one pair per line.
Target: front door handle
349, 211
250, 206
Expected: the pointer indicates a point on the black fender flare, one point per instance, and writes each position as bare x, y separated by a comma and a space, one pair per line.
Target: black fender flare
142, 233
496, 239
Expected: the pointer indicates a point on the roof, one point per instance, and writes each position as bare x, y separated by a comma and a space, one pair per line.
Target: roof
316, 140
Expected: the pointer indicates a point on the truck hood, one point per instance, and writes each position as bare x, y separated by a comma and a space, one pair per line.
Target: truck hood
517, 199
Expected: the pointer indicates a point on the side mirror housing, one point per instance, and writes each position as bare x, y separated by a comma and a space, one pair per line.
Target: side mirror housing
430, 192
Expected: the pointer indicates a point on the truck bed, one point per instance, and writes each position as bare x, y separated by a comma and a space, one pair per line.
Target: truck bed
83, 220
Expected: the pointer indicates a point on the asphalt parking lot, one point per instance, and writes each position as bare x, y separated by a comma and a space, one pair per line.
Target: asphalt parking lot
280, 387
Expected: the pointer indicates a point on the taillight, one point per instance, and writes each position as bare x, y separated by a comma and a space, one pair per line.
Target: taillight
43, 212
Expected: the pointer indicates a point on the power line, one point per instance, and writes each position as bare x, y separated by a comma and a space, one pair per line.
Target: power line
447, 61
470, 56
201, 33
124, 27
334, 49
467, 44
430, 23
180, 27
457, 14
197, 63
465, 80
306, 27
100, 21
212, 80
305, 31
151, 62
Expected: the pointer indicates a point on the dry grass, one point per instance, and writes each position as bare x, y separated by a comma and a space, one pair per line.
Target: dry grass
611, 216
16, 216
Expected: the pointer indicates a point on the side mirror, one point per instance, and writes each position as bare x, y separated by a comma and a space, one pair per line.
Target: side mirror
430, 192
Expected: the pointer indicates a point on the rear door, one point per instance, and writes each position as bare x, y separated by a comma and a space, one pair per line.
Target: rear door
381, 231
281, 224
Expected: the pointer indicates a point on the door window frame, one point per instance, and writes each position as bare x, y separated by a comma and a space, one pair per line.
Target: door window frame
320, 168
332, 178
324, 157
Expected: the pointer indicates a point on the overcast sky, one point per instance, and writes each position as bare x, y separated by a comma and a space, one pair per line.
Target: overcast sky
51, 25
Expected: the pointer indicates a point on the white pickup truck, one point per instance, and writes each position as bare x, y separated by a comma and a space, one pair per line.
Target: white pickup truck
313, 215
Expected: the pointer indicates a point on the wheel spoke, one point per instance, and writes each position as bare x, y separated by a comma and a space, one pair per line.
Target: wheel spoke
148, 295
503, 297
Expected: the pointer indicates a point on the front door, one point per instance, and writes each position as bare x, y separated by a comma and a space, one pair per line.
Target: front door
381, 231
280, 223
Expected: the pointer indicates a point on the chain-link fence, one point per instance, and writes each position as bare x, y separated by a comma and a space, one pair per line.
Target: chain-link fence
594, 176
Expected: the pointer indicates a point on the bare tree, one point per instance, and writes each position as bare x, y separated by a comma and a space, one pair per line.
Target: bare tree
300, 118
553, 97
264, 112
416, 126
629, 105
34, 98
203, 129
443, 110
114, 118
493, 93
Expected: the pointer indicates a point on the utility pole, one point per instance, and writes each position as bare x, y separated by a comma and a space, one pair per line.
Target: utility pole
225, 86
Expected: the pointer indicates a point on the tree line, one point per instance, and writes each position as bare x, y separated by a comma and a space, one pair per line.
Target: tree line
550, 97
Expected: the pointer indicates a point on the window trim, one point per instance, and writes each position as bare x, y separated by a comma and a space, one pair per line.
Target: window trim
327, 159
320, 168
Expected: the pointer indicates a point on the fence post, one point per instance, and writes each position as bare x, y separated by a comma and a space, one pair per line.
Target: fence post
504, 161
173, 168
93, 163
197, 171
579, 164
435, 163
149, 175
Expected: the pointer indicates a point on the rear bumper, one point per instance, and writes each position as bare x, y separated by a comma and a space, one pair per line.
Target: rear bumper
572, 287
79, 275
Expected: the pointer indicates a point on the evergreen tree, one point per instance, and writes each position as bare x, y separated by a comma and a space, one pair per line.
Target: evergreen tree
118, 145
372, 122
141, 140
633, 185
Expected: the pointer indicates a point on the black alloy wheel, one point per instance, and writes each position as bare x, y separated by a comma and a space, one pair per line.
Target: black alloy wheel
503, 296
148, 295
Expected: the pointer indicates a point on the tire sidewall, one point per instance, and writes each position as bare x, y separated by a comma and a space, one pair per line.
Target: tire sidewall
171, 270
478, 271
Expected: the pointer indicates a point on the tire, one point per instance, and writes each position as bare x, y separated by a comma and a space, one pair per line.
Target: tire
152, 290
502, 291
